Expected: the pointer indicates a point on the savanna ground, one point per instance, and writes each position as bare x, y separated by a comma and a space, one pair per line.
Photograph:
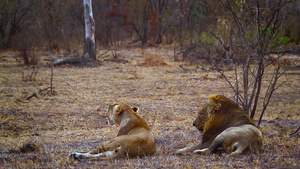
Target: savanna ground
168, 96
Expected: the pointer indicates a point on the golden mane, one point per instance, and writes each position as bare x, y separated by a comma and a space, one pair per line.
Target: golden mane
224, 101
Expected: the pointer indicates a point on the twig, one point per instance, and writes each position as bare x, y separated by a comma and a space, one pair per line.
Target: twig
41, 90
104, 52
51, 81
44, 89
35, 94
186, 69
75, 99
34, 72
23, 76
31, 96
292, 133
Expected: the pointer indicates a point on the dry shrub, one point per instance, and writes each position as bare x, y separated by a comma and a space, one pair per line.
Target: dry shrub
24, 43
152, 60
28, 55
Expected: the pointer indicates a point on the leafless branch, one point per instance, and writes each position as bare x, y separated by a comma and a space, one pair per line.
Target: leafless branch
253, 26
292, 133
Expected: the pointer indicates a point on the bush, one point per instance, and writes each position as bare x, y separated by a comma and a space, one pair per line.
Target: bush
24, 44
28, 55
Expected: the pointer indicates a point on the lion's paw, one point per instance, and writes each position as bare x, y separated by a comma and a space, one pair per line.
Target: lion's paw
183, 150
201, 151
75, 156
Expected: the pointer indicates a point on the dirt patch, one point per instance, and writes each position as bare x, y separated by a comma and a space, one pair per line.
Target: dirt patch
152, 59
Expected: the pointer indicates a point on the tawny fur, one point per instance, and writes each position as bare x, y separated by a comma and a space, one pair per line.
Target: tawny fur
235, 140
219, 114
134, 139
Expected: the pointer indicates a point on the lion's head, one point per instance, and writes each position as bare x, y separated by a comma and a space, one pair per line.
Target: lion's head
218, 114
115, 113
202, 116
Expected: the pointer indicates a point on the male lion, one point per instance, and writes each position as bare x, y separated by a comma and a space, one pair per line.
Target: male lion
134, 139
224, 124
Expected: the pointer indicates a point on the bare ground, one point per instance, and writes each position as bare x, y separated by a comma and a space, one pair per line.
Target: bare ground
168, 97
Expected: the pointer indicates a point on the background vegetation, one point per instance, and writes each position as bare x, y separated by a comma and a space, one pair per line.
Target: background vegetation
60, 25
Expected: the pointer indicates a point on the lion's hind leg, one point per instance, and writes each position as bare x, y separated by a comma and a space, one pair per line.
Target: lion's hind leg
217, 143
190, 149
213, 147
238, 148
99, 156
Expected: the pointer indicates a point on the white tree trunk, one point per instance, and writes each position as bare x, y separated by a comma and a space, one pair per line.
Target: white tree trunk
89, 41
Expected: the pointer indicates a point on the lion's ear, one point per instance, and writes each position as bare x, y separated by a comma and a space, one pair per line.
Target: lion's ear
135, 109
216, 107
117, 109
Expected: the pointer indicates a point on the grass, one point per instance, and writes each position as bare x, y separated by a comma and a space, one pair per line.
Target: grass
168, 97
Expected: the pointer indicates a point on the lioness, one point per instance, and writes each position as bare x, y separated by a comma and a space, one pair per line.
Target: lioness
134, 139
224, 124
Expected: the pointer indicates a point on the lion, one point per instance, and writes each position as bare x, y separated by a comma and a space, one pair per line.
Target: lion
224, 124
134, 139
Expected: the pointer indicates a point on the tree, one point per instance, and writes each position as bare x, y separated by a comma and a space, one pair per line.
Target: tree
160, 7
291, 23
138, 19
15, 15
254, 24
89, 41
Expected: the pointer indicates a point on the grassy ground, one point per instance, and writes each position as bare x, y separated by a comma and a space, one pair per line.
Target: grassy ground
67, 120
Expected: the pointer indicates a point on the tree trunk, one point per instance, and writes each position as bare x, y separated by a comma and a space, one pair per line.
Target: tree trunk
160, 7
145, 23
89, 40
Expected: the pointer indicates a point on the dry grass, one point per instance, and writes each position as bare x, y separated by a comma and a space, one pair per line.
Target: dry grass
168, 99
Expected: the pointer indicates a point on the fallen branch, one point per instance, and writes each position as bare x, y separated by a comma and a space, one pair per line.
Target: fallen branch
184, 69
35, 94
61, 61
